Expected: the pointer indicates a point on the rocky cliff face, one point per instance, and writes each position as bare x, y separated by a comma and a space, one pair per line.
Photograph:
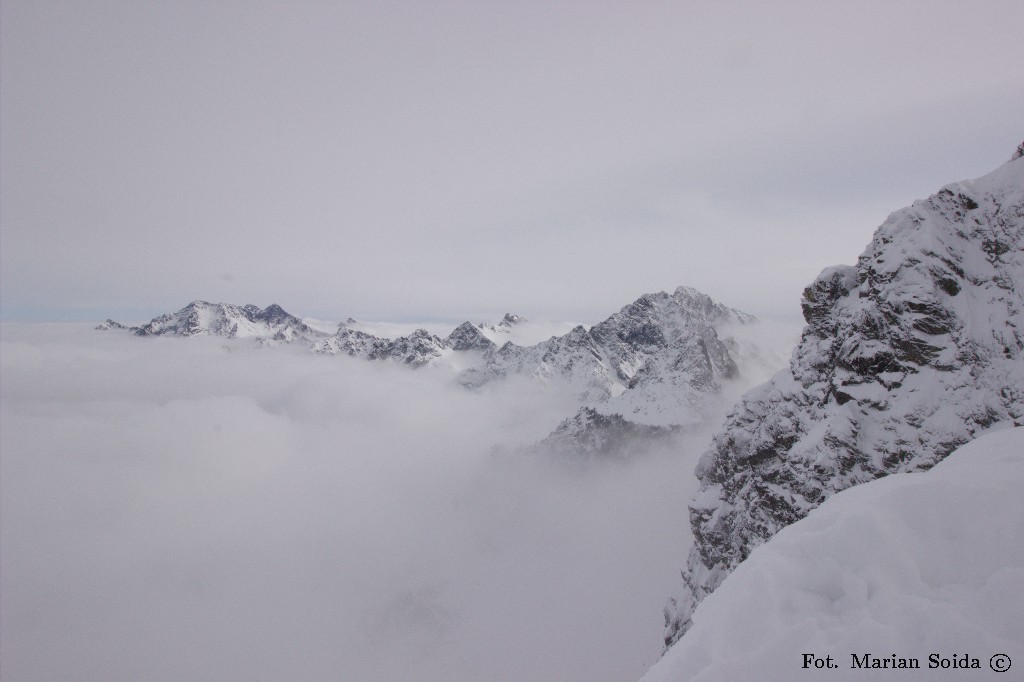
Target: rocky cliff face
913, 351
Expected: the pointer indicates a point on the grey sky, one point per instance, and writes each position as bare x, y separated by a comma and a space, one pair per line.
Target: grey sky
457, 160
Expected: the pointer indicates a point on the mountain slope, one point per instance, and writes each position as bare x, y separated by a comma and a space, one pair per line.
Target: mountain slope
894, 566
910, 353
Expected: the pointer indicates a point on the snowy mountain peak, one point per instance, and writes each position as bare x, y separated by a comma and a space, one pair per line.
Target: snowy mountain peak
697, 303
503, 328
906, 355
509, 320
272, 314
655, 362
467, 336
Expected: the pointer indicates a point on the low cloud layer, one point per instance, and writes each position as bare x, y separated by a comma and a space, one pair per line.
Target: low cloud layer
201, 509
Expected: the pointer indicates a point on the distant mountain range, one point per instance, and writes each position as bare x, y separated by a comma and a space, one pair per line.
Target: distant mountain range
657, 362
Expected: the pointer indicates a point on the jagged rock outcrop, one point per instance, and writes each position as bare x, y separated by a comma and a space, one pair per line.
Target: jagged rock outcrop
910, 353
469, 337
590, 434
415, 350
505, 327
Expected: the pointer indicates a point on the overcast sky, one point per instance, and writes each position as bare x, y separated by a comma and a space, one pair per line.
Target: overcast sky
456, 160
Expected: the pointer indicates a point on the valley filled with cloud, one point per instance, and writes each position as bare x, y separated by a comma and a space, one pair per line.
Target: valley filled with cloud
209, 509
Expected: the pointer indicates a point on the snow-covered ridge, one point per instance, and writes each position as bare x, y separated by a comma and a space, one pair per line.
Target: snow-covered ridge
200, 318
915, 350
589, 434
906, 570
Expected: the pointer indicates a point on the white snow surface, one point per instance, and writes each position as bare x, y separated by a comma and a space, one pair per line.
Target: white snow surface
911, 564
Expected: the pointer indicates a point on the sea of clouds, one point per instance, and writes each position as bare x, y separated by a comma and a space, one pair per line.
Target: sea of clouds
207, 509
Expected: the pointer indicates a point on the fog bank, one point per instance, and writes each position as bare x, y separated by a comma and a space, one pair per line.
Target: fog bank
204, 509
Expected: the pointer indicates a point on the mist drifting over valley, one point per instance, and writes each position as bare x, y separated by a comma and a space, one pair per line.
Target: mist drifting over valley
209, 509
